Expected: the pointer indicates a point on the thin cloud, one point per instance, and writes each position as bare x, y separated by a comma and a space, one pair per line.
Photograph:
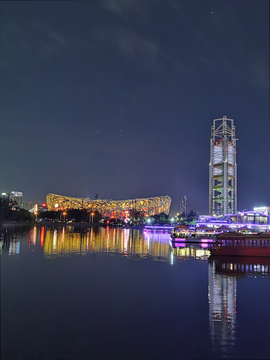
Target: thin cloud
146, 51
33, 38
136, 45
122, 7
116, 6
52, 34
131, 44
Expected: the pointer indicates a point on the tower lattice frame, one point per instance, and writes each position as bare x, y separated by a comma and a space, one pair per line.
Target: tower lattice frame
222, 168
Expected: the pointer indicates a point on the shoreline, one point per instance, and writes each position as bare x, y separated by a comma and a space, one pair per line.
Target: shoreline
14, 224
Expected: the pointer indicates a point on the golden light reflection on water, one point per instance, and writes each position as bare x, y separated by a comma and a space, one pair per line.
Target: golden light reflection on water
129, 242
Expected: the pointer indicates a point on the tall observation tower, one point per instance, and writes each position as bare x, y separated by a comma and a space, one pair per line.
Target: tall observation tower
222, 168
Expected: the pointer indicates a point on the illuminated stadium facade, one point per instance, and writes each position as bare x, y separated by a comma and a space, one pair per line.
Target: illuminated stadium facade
111, 208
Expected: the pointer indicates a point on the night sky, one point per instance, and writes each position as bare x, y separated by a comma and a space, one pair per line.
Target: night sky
117, 98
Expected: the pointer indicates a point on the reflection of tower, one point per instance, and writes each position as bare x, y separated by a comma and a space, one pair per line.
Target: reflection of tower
222, 168
222, 309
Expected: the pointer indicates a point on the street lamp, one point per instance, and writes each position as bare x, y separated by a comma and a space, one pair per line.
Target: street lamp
92, 215
64, 216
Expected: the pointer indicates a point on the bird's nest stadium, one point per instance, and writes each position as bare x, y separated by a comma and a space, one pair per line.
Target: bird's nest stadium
111, 208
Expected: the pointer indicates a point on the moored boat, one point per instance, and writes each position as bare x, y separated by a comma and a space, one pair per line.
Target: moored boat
231, 235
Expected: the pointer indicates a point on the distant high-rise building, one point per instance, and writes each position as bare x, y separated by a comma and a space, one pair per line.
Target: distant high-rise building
16, 197
27, 205
222, 168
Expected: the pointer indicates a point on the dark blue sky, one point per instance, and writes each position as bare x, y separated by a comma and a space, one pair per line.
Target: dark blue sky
118, 97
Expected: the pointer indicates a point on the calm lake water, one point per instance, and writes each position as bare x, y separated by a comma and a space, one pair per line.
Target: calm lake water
71, 293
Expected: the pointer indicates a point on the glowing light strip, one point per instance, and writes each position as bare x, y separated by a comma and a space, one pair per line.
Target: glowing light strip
231, 225
158, 227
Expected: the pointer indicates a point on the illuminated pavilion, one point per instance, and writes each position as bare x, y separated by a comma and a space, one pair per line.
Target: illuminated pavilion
111, 208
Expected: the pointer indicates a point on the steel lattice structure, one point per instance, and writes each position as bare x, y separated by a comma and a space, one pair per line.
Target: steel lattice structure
111, 208
222, 168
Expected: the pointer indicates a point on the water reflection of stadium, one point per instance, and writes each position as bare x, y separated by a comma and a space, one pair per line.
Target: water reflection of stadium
128, 242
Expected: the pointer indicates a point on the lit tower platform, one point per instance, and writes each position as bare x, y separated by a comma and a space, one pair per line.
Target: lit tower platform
222, 168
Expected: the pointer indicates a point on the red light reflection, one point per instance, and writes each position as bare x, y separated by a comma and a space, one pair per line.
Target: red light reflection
42, 236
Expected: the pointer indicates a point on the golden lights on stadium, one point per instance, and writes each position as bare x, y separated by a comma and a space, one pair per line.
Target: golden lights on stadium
111, 208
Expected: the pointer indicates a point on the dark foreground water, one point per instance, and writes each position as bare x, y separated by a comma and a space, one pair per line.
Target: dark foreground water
127, 294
